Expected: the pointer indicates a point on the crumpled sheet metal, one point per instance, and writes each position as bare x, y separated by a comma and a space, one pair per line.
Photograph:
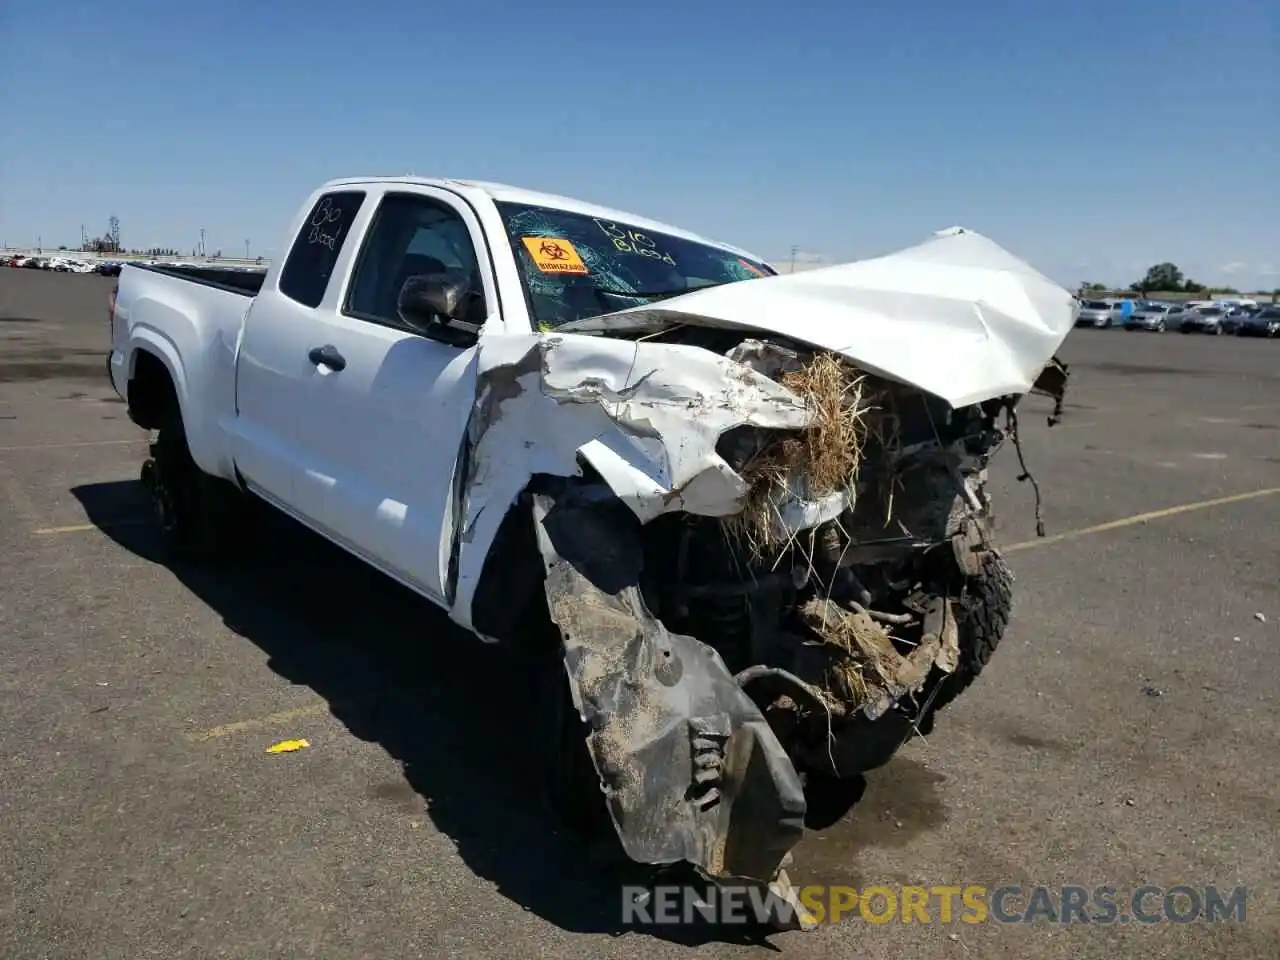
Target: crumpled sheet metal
956, 316
646, 416
690, 769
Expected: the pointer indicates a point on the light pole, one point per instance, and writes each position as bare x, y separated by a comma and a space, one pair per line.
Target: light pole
246, 249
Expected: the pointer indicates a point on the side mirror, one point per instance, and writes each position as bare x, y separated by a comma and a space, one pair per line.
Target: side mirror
437, 305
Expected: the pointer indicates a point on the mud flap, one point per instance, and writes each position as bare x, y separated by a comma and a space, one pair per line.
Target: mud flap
688, 765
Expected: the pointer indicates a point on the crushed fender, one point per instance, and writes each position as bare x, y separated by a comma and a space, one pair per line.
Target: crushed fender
689, 767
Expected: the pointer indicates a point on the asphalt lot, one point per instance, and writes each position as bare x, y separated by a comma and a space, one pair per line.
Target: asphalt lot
1126, 733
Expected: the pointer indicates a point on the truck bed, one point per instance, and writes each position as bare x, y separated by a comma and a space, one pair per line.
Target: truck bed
174, 312
245, 283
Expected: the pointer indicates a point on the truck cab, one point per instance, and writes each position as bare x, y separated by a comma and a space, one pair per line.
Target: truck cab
314, 389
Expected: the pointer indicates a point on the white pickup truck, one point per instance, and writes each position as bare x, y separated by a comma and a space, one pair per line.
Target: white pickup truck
752, 505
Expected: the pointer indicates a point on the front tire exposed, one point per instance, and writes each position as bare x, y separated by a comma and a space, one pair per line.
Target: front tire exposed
200, 517
981, 623
570, 785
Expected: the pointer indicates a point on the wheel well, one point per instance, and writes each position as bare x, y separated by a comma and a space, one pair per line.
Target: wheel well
153, 399
509, 603
510, 588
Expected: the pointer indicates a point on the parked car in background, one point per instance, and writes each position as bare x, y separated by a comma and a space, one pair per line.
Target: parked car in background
1203, 320
1264, 322
1236, 315
1154, 316
1097, 313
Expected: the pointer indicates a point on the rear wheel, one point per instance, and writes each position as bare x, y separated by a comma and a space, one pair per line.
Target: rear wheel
200, 517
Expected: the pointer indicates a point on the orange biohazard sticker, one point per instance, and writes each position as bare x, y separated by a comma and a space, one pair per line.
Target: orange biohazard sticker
553, 255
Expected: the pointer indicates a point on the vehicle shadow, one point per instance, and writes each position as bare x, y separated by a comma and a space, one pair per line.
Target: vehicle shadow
453, 711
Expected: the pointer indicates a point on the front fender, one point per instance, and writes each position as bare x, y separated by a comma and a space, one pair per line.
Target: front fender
645, 416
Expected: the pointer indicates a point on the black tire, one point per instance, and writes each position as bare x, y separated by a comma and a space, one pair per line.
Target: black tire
570, 784
981, 621
201, 518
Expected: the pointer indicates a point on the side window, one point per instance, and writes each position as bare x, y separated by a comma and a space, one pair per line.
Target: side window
315, 250
412, 235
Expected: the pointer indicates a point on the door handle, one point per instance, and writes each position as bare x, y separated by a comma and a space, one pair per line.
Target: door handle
327, 356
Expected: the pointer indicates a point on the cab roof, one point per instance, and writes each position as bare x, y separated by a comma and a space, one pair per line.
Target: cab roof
501, 192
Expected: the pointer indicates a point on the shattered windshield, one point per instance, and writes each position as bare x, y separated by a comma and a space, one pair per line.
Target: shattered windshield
575, 266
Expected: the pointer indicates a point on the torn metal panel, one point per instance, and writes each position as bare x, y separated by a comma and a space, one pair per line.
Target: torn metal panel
957, 316
689, 767
645, 416
1052, 382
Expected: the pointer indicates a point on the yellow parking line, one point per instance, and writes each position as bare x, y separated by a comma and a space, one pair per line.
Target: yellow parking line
60, 446
256, 723
1141, 518
81, 527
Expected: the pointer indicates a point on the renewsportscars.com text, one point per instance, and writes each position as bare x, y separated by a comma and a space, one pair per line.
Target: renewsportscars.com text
970, 903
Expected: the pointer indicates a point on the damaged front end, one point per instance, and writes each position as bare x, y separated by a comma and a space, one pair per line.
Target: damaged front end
766, 564
718, 661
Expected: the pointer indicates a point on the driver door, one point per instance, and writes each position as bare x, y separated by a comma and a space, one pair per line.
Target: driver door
384, 422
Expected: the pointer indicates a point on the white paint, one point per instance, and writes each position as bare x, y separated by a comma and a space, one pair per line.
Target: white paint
956, 316
367, 455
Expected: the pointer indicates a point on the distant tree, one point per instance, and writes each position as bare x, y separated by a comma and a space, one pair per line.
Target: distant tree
1087, 287
1162, 276
1190, 286
1223, 290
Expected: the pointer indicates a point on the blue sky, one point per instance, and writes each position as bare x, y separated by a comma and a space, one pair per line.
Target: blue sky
1092, 138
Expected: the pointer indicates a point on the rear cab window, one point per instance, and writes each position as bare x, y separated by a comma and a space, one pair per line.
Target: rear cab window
309, 267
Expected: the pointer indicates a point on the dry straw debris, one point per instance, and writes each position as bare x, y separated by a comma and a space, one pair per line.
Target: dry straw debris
860, 652
816, 463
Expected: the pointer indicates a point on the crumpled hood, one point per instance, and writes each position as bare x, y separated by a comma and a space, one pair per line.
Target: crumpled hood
956, 316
